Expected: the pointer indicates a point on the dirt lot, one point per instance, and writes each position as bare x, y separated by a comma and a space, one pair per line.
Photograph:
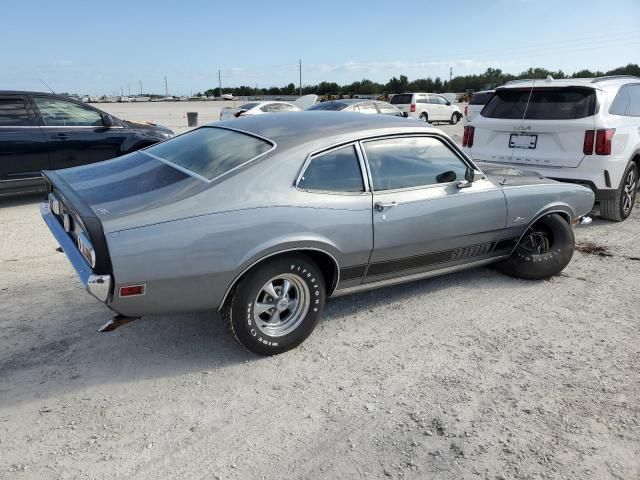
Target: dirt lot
473, 375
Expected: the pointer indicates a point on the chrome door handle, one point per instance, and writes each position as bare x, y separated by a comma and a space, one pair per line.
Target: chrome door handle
380, 206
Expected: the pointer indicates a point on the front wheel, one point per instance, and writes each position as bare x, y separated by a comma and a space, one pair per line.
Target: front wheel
619, 208
455, 118
276, 306
544, 250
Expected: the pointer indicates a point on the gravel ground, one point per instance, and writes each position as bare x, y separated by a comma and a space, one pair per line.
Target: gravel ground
472, 375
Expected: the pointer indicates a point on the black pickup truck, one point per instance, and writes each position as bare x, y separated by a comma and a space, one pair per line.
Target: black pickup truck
40, 131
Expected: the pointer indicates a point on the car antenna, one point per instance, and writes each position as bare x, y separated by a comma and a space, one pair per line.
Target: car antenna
45, 84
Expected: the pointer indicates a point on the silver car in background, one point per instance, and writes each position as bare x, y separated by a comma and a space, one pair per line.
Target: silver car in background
263, 218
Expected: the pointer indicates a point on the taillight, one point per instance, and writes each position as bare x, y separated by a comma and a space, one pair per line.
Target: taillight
413, 107
467, 136
589, 137
466, 111
603, 141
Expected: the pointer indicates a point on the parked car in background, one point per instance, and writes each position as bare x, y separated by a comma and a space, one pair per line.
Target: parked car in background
581, 130
41, 131
331, 204
257, 108
429, 107
358, 105
476, 103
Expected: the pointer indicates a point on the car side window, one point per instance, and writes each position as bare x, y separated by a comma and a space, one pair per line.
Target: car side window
367, 108
412, 162
335, 171
433, 100
13, 113
271, 108
287, 108
67, 114
621, 102
386, 109
442, 100
634, 101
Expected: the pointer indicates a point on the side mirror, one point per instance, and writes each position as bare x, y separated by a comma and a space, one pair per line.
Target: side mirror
448, 103
107, 120
469, 175
446, 177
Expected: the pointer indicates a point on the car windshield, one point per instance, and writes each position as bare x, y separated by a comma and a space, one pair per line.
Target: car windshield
328, 106
401, 99
210, 152
555, 103
248, 106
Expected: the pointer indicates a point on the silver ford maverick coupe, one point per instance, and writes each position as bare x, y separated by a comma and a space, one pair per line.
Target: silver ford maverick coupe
264, 218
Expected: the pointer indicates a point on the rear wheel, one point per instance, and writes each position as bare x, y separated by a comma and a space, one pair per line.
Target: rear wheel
424, 116
275, 307
619, 208
545, 250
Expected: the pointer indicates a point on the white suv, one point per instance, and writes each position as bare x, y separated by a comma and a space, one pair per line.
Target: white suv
579, 130
429, 107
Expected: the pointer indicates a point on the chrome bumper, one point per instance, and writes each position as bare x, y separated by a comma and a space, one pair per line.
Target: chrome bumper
97, 285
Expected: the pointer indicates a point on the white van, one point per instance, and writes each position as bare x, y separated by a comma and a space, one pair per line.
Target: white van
429, 107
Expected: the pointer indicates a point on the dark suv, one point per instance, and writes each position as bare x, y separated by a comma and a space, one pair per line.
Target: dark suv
40, 131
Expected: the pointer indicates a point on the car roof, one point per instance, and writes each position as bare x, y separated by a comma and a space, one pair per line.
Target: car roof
24, 92
613, 80
292, 129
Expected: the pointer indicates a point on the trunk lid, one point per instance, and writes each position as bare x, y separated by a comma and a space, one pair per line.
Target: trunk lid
124, 186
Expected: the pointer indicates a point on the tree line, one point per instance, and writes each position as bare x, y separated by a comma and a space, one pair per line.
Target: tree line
491, 78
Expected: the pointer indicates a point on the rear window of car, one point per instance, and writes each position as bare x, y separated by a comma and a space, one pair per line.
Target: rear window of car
556, 103
13, 112
401, 99
248, 106
480, 98
210, 152
335, 106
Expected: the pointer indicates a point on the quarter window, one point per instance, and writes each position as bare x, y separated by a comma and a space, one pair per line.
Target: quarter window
334, 171
366, 108
412, 162
67, 114
634, 101
13, 113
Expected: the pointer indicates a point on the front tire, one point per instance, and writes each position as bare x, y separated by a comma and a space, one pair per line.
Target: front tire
544, 250
619, 208
276, 306
455, 118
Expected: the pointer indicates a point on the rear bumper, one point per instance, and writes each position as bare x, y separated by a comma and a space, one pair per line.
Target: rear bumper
97, 285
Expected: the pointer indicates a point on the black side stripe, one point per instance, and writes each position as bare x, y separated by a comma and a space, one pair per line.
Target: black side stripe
352, 273
501, 247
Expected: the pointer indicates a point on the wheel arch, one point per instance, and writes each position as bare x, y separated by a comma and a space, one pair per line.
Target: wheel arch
563, 210
326, 261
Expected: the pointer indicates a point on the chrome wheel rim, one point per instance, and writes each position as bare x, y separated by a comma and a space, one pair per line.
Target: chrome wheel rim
281, 305
629, 192
454, 119
536, 243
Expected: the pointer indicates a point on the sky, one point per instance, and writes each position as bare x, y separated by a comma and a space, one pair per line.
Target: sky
90, 47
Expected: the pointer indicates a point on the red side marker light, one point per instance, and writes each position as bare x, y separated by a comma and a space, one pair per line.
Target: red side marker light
132, 290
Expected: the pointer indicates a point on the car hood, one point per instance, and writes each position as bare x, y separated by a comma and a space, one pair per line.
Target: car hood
505, 175
148, 127
136, 186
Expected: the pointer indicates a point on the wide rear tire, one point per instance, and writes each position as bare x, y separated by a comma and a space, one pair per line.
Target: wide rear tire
277, 305
619, 208
545, 250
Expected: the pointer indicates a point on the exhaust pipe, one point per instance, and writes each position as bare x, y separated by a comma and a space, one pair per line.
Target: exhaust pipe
115, 322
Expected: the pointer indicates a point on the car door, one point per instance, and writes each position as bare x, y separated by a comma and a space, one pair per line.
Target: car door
435, 108
446, 108
76, 134
22, 143
422, 219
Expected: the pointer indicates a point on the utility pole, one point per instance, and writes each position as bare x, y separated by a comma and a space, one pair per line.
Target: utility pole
129, 87
300, 68
450, 76
140, 87
220, 82
166, 89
